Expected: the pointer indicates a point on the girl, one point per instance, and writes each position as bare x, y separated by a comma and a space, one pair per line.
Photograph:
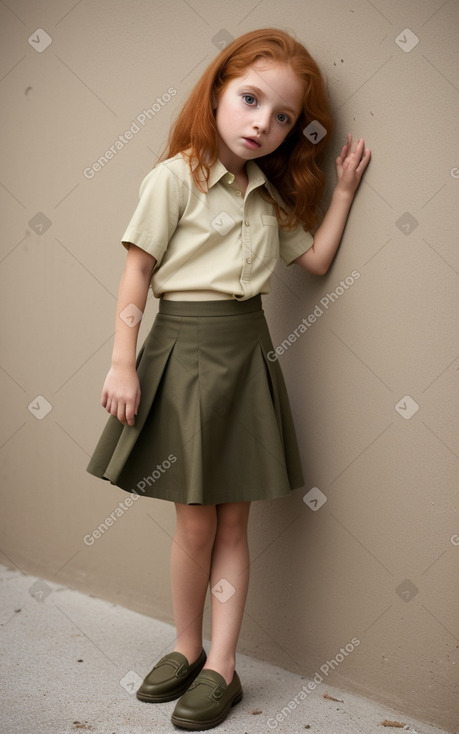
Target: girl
202, 417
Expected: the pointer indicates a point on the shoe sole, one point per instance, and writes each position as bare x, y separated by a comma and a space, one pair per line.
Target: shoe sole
193, 725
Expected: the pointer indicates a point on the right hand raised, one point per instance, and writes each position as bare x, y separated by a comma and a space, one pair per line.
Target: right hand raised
121, 394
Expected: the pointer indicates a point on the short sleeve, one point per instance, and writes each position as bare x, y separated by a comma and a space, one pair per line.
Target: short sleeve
293, 243
157, 214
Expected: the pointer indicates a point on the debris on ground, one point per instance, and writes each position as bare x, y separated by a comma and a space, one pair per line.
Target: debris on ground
330, 698
396, 724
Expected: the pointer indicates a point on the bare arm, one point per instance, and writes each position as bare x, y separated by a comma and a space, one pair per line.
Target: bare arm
350, 165
121, 390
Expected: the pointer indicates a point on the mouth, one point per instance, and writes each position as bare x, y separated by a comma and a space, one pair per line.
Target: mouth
252, 143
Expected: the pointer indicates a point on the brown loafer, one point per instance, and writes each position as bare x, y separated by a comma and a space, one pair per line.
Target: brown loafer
207, 702
170, 678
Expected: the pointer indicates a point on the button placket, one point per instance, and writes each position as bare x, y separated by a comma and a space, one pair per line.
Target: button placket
247, 247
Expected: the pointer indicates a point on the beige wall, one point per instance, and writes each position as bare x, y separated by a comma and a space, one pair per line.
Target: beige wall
378, 561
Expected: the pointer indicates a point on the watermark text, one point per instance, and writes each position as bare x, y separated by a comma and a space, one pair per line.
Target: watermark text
306, 323
122, 507
311, 685
136, 126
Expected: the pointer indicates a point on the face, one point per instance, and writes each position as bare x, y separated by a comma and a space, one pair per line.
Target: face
256, 111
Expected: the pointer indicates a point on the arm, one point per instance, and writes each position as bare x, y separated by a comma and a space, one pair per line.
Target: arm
121, 391
350, 165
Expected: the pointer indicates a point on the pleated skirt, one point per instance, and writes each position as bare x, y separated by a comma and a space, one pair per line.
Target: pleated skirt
214, 423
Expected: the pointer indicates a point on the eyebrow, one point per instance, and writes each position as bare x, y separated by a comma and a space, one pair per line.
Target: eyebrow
260, 93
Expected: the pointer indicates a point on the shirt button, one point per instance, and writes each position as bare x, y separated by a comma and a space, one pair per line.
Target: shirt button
246, 222
249, 261
238, 193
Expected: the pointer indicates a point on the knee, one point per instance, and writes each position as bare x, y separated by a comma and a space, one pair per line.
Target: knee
232, 524
196, 529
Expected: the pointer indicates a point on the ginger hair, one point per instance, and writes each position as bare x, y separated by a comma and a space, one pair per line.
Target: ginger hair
294, 167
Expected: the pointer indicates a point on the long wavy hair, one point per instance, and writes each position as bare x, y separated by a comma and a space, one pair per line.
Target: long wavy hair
294, 167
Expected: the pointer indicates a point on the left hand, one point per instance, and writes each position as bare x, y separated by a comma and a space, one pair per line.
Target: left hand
351, 163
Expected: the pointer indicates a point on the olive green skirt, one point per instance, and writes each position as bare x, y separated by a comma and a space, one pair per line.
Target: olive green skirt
214, 423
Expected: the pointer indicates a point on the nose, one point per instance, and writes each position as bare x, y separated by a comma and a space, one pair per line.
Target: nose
262, 120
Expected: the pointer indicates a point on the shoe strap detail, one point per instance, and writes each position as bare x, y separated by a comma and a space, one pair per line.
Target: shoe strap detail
172, 662
217, 693
214, 681
182, 671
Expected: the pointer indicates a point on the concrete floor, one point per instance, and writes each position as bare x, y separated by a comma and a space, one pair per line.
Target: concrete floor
72, 663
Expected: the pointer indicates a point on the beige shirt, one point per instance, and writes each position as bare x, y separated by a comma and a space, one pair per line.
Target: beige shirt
212, 246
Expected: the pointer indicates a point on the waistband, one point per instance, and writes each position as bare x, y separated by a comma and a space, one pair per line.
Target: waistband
210, 308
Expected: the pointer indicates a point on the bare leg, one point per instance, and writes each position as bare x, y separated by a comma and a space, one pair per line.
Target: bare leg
190, 562
229, 579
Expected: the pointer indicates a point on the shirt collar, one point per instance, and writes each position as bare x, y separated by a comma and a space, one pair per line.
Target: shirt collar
254, 173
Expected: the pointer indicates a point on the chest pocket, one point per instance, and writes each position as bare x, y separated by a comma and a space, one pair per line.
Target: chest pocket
268, 246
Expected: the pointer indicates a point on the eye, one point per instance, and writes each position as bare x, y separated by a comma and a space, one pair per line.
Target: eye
249, 99
283, 118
